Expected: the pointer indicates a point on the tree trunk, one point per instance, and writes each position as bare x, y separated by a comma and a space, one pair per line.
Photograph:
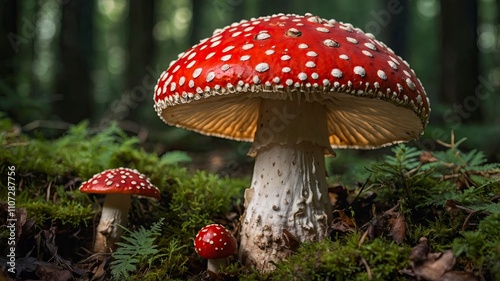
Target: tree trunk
398, 26
73, 90
141, 76
459, 61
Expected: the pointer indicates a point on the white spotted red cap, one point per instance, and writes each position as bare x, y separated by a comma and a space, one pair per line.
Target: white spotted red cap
123, 181
373, 98
214, 241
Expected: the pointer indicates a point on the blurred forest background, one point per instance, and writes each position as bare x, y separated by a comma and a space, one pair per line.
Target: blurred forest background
66, 61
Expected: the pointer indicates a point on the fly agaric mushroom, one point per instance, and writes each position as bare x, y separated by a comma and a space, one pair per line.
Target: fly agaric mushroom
296, 86
215, 243
118, 185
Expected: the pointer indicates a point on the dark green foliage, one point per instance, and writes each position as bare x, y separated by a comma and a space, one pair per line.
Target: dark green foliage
481, 248
345, 260
70, 212
448, 193
139, 248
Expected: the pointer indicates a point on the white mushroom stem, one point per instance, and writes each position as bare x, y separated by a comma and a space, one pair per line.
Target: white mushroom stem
114, 213
289, 189
215, 265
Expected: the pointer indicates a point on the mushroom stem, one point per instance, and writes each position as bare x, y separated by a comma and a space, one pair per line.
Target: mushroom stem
289, 189
215, 265
114, 213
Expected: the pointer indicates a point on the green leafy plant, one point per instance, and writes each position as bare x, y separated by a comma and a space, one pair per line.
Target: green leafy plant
139, 248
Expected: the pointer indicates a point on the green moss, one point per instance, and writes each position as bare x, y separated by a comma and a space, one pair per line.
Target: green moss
345, 260
71, 213
481, 249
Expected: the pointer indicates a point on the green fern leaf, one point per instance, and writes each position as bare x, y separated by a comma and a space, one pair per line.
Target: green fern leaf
138, 247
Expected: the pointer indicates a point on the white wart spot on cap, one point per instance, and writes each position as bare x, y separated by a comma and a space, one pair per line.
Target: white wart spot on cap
310, 64
331, 43
313, 19
367, 53
182, 80
191, 64
247, 46
312, 54
215, 44
269, 52
225, 58
323, 29
210, 76
410, 84
216, 38
370, 46
392, 64
343, 56
227, 49
286, 69
303, 46
285, 57
381, 74
191, 55
210, 55
400, 88
245, 57
261, 67
197, 72
337, 73
359, 71
302, 76
262, 36
352, 40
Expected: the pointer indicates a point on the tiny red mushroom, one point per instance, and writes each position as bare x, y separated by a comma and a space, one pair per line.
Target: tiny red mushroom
215, 243
296, 86
118, 185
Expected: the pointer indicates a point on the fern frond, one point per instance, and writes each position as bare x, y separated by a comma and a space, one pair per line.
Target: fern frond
139, 247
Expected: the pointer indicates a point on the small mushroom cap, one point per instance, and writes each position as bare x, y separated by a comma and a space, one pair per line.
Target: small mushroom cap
121, 180
372, 97
214, 241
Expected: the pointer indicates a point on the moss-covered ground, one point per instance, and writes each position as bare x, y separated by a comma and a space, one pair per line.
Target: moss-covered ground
382, 209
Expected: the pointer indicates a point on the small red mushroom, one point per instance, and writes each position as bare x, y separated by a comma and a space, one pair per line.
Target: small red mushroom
118, 185
215, 243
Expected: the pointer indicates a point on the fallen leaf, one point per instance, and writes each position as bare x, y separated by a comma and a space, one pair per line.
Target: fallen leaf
419, 253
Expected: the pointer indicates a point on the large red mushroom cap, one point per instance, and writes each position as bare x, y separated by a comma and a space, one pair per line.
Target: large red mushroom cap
372, 97
214, 241
123, 181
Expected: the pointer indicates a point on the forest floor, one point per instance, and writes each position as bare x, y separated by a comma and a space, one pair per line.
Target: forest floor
409, 215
